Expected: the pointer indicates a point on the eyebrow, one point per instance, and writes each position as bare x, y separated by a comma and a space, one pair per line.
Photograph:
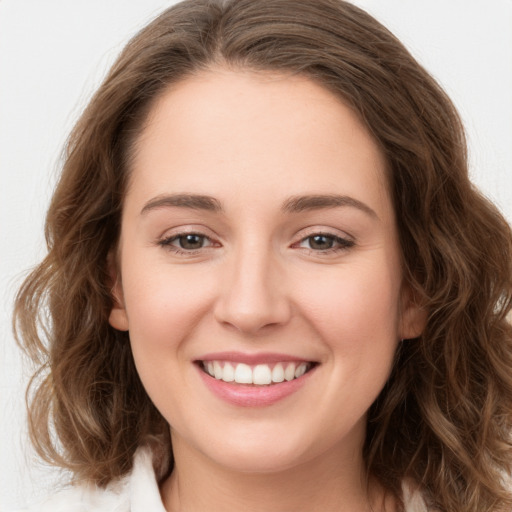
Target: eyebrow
298, 204
193, 201
294, 204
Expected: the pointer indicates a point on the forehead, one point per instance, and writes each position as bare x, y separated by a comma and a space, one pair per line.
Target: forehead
256, 130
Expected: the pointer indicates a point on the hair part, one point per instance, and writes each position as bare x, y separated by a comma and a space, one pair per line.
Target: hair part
444, 418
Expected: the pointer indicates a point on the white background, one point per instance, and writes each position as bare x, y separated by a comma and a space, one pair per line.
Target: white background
53, 53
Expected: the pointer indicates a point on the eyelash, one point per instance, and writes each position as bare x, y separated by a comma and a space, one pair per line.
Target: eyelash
343, 244
167, 243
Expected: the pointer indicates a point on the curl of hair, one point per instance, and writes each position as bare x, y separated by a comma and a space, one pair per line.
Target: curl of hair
445, 416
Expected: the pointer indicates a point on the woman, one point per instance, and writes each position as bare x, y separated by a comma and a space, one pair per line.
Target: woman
270, 278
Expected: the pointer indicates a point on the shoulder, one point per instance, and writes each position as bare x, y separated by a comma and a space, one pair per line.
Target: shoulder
136, 492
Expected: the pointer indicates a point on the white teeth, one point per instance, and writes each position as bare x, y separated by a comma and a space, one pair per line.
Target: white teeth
243, 374
289, 373
278, 373
301, 370
217, 370
260, 375
228, 373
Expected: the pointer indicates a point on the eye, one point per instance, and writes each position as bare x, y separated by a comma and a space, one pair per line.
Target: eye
191, 241
321, 242
187, 242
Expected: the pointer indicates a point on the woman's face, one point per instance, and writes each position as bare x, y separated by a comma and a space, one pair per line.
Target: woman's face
258, 240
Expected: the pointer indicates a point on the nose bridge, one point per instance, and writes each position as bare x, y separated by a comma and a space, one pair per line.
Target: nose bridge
252, 295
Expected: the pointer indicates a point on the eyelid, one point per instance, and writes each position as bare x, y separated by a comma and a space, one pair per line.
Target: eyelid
343, 239
342, 243
187, 229
169, 240
323, 230
170, 235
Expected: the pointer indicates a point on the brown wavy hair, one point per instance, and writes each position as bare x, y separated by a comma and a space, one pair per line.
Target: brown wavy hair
444, 419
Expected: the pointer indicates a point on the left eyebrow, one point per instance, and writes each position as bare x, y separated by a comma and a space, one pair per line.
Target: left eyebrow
298, 204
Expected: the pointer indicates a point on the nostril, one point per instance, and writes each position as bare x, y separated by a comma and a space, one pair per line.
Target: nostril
250, 302
253, 319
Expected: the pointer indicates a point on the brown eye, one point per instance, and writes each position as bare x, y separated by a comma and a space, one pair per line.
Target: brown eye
321, 242
190, 241
185, 242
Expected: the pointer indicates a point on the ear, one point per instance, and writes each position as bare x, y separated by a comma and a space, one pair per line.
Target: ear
413, 316
118, 318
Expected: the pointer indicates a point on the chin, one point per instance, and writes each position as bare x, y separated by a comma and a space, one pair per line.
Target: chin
259, 462
258, 453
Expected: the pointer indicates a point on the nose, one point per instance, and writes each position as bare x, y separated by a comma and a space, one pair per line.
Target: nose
252, 297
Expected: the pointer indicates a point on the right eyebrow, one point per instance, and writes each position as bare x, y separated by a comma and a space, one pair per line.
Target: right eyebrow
193, 201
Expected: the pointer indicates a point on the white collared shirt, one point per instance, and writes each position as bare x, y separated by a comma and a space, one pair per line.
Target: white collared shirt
136, 492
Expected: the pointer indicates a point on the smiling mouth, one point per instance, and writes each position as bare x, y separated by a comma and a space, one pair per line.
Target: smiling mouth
256, 375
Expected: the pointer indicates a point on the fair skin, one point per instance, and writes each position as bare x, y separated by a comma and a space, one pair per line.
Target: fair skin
267, 271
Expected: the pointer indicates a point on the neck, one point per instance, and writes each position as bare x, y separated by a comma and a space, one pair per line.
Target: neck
332, 481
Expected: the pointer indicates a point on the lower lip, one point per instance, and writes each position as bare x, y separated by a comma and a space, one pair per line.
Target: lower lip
247, 395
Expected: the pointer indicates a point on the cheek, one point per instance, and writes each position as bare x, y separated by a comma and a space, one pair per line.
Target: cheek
164, 310
358, 302
355, 318
164, 307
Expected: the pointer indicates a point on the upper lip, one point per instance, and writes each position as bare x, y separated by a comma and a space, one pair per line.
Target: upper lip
252, 359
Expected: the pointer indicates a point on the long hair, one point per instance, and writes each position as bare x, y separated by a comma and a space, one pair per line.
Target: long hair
444, 418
